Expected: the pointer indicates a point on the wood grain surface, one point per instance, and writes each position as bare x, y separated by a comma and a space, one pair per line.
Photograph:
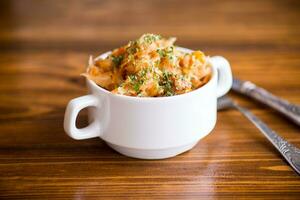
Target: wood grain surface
44, 46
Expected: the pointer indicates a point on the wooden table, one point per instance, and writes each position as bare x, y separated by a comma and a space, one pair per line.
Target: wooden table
44, 46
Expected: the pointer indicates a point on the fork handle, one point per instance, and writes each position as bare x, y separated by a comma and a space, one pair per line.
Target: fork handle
286, 108
287, 150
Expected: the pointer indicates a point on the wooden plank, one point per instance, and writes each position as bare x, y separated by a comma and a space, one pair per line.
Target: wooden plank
44, 47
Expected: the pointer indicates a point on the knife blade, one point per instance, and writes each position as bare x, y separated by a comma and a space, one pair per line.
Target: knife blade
289, 110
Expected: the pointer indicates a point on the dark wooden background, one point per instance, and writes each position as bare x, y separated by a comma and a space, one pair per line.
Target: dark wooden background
44, 46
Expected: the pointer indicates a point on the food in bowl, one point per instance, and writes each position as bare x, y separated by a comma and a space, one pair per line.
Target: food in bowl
150, 66
153, 127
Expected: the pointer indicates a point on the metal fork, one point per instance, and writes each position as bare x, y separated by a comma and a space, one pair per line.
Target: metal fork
287, 150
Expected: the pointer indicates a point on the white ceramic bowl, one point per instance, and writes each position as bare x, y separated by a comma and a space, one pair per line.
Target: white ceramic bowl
151, 127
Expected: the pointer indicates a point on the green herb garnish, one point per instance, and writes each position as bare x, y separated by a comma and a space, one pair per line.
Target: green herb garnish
117, 59
136, 87
136, 84
149, 38
133, 47
167, 84
166, 53
161, 52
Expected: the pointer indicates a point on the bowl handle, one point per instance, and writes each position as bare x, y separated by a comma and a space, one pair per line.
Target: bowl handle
224, 74
73, 108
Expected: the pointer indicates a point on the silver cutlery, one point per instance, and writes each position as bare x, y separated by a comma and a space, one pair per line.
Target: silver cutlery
284, 107
287, 150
